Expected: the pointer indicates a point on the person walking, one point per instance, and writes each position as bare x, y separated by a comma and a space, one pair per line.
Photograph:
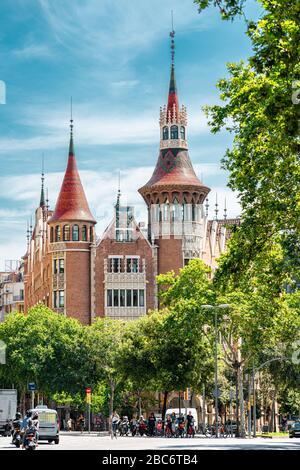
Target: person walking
81, 423
151, 424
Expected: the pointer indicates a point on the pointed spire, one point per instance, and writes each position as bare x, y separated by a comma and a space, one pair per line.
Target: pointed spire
118, 206
28, 234
173, 97
206, 207
72, 203
225, 210
42, 198
216, 207
71, 145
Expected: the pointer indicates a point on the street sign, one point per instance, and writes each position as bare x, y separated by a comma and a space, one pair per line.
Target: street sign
31, 387
217, 393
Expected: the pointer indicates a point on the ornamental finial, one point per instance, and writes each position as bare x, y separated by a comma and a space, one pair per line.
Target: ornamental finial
172, 35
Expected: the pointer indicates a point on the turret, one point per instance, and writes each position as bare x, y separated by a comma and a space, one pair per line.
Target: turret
71, 237
174, 194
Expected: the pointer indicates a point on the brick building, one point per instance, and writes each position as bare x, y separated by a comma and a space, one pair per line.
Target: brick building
75, 273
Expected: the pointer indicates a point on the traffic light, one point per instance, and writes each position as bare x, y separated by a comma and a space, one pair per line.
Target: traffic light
187, 394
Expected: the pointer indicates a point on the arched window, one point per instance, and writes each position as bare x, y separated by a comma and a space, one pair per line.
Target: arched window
51, 235
182, 132
165, 133
66, 233
75, 233
57, 233
193, 212
176, 209
174, 132
84, 233
185, 210
166, 209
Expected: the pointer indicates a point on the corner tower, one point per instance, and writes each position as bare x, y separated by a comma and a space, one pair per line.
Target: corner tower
72, 237
174, 195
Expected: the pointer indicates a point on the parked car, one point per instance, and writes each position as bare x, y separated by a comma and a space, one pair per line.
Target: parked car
295, 429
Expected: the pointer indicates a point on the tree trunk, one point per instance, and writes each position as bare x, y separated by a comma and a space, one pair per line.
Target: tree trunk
241, 401
111, 403
165, 405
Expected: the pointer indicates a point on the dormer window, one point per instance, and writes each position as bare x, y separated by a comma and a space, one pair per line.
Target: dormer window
174, 132
165, 133
182, 132
75, 233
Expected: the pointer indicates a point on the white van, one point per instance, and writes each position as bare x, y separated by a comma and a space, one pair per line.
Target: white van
182, 410
48, 424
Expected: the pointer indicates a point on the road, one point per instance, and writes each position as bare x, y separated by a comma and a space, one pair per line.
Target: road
94, 442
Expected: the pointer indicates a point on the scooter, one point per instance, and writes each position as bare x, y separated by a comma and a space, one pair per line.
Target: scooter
30, 442
17, 438
143, 429
133, 429
124, 428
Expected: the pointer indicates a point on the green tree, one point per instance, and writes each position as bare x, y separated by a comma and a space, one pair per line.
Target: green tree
105, 339
42, 344
262, 110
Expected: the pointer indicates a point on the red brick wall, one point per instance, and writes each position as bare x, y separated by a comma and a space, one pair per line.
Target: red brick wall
77, 292
169, 255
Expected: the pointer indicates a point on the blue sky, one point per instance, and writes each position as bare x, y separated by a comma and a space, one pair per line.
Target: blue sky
113, 57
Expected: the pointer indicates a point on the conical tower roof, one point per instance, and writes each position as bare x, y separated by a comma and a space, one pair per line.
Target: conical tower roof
72, 204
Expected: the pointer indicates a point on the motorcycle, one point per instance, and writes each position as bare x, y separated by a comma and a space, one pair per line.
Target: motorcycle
124, 428
190, 431
30, 442
143, 429
17, 438
133, 429
180, 430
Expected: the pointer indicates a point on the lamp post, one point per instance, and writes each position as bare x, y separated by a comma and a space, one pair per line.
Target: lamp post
215, 308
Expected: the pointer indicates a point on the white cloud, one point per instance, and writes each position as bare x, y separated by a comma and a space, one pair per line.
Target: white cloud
117, 30
33, 51
93, 128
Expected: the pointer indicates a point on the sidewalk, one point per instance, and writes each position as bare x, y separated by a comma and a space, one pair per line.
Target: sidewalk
84, 433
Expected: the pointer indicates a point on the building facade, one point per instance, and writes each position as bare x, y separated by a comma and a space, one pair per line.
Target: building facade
77, 274
11, 292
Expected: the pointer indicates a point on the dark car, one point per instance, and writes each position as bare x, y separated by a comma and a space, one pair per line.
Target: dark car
295, 429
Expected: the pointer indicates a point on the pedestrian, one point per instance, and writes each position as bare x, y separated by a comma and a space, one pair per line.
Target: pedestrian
81, 423
115, 420
69, 424
151, 424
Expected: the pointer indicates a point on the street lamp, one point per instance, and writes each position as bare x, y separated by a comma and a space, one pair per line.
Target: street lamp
215, 308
